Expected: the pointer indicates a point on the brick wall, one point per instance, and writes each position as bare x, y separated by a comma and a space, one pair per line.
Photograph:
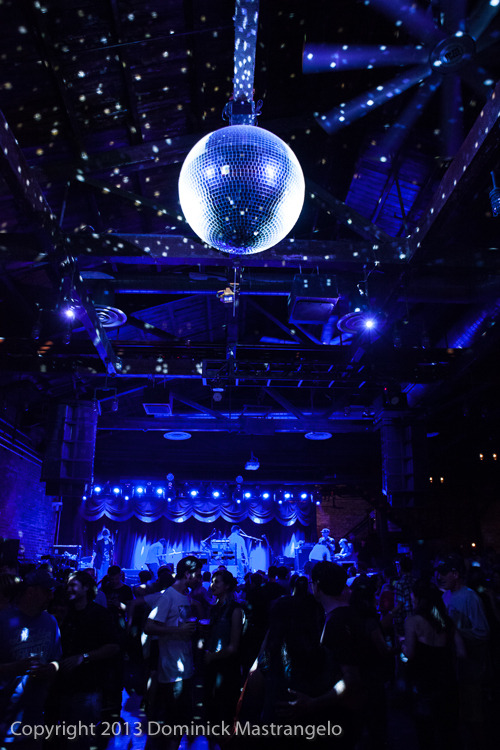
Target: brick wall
25, 511
341, 514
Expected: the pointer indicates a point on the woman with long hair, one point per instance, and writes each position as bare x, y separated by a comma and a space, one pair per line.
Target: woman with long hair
432, 645
222, 678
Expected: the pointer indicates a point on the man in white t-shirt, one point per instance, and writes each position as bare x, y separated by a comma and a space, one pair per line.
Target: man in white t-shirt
154, 555
238, 546
170, 622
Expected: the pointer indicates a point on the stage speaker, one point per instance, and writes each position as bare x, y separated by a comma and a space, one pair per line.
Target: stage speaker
68, 464
313, 298
9, 552
302, 556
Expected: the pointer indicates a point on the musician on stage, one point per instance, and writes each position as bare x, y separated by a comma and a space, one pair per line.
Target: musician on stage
324, 549
238, 545
346, 550
154, 557
103, 553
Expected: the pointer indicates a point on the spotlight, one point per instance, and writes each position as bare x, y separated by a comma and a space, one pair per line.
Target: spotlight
127, 497
97, 489
69, 313
370, 323
116, 490
193, 493
318, 502
287, 495
217, 392
252, 464
160, 491
215, 494
265, 496
140, 490
303, 495
247, 495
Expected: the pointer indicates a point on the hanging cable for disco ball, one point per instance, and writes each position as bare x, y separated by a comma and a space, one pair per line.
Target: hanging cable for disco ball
241, 188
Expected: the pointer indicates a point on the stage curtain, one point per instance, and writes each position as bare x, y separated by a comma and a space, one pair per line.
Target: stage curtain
150, 509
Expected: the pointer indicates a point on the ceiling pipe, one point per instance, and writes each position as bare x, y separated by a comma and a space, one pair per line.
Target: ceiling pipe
462, 336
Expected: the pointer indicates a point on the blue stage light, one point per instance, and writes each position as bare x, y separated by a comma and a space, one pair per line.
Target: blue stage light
238, 501
265, 495
139, 490
127, 497
247, 495
160, 491
97, 489
303, 495
116, 490
287, 495
193, 493
216, 494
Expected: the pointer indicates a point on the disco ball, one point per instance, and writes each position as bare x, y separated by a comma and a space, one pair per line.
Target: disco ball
241, 189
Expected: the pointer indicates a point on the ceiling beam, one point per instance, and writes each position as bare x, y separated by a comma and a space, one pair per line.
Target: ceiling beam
352, 218
199, 407
155, 154
75, 290
20, 179
241, 425
477, 154
285, 403
157, 249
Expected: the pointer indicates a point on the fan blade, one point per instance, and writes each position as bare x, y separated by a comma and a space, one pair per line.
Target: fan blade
409, 15
319, 58
392, 141
482, 17
452, 115
454, 14
487, 40
344, 114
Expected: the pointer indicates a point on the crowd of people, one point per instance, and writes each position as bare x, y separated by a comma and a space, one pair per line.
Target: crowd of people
322, 658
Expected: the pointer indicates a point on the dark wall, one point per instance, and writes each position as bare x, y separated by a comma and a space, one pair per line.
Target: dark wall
25, 511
